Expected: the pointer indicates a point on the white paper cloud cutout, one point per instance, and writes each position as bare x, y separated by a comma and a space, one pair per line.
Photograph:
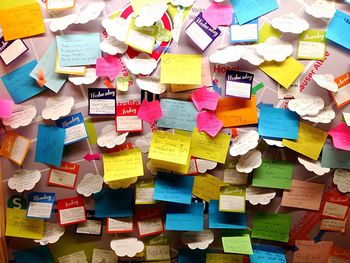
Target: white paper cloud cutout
110, 138
57, 107
150, 13
313, 166
273, 142
326, 81
321, 9
326, 115
144, 142
90, 184
116, 27
205, 165
252, 56
113, 46
89, 78
274, 49
342, 180
22, 115
127, 246
123, 183
248, 162
52, 233
90, 11
142, 64
151, 84
258, 195
24, 180
61, 23
184, 3
306, 105
200, 240
244, 142
290, 23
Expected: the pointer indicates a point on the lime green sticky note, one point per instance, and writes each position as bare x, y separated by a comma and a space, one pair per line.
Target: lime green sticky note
274, 174
271, 226
90, 127
237, 244
267, 31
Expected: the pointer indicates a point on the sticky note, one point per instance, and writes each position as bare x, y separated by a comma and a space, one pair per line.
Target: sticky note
180, 69
237, 244
150, 111
90, 128
178, 168
109, 66
40, 254
207, 187
278, 123
334, 158
267, 254
213, 149
218, 14
169, 147
49, 145
341, 136
11, 50
225, 220
173, 188
312, 45
205, 99
6, 107
308, 249
338, 29
267, 31
223, 258
20, 85
310, 141
122, 165
271, 226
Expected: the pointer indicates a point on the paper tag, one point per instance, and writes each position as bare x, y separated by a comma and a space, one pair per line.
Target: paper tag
11, 50
75, 128
232, 199
22, 115
239, 84
342, 180
119, 225
312, 45
15, 147
248, 32
244, 142
248, 162
90, 184
144, 191
290, 23
149, 222
102, 101
24, 180
71, 211
126, 118
128, 246
64, 176
90, 227
258, 195
200, 240
40, 205
52, 233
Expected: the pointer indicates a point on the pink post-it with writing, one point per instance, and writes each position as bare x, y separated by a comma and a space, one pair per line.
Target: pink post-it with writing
6, 107
108, 66
207, 121
150, 111
341, 137
204, 99
218, 14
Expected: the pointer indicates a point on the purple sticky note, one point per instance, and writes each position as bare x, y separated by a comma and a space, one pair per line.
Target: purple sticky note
239, 84
11, 50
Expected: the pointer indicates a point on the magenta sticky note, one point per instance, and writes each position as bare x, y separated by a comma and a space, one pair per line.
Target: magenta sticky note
204, 99
341, 137
218, 14
207, 121
150, 111
6, 107
109, 66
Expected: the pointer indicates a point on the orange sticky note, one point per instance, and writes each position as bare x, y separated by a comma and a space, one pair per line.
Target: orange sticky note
22, 21
310, 250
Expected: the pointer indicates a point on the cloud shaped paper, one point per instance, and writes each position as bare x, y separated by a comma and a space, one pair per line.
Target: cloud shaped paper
306, 105
258, 195
90, 184
52, 233
326, 81
244, 142
272, 142
110, 138
144, 142
205, 165
342, 180
90, 11
290, 23
24, 180
89, 78
321, 9
113, 46
248, 162
151, 84
61, 23
57, 107
274, 49
150, 13
141, 64
198, 240
22, 115
128, 246
326, 115
235, 53
117, 27
184, 3
313, 166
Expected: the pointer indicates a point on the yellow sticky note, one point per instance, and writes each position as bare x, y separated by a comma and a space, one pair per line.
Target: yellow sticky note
10, 4
18, 225
310, 141
267, 31
170, 147
223, 258
22, 21
181, 69
213, 149
122, 165
207, 187
179, 168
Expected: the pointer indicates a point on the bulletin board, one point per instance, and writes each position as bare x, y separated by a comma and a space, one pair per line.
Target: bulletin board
305, 223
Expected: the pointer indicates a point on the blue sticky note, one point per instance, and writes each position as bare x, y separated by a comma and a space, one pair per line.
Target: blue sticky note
180, 217
189, 255
49, 145
248, 32
173, 188
225, 220
74, 126
248, 10
78, 50
47, 63
334, 158
40, 205
267, 254
40, 254
113, 203
338, 29
20, 85
178, 114
278, 123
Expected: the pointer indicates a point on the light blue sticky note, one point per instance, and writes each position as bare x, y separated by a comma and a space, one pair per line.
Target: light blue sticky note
225, 220
113, 203
248, 32
338, 29
180, 217
49, 145
178, 114
47, 64
20, 85
173, 188
267, 254
39, 254
278, 123
78, 50
74, 126
189, 255
334, 158
248, 10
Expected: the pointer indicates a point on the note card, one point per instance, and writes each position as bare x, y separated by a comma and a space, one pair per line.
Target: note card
40, 254
11, 50
78, 49
126, 119
74, 126
239, 84
249, 32
224, 220
71, 211
102, 102
181, 69
237, 244
64, 176
271, 226
334, 158
40, 205
312, 45
232, 199
267, 254
338, 29
149, 222
15, 147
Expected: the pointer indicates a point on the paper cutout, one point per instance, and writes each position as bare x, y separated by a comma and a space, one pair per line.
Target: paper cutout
22, 115
150, 13
142, 64
321, 9
257, 195
113, 46
52, 234
200, 240
57, 107
90, 184
150, 111
144, 142
341, 136
218, 14
207, 121
128, 246
61, 23
24, 180
313, 166
123, 183
117, 27
108, 66
306, 105
184, 3
342, 180
272, 142
90, 11
151, 84
204, 99
110, 138
326, 115
248, 162
326, 81
205, 165
274, 49
244, 142
89, 78
290, 23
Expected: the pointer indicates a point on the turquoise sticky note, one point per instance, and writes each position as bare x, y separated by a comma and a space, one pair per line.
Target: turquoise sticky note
49, 145
334, 158
338, 29
225, 220
178, 114
180, 217
267, 254
78, 50
20, 85
40, 254
47, 64
189, 255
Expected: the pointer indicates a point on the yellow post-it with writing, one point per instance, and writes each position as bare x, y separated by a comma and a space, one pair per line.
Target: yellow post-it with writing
310, 141
181, 69
223, 258
122, 165
207, 187
168, 166
18, 225
22, 21
170, 147
213, 149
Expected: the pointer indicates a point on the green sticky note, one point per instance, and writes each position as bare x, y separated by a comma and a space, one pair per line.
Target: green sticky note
274, 174
90, 127
267, 31
237, 244
271, 226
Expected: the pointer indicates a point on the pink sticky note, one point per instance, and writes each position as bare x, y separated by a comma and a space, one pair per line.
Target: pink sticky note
207, 121
6, 107
218, 14
109, 66
204, 99
341, 136
150, 111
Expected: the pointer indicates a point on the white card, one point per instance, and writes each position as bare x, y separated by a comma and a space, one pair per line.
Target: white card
248, 162
258, 195
119, 225
313, 166
342, 180
57, 107
148, 227
127, 246
231, 203
200, 240
90, 184
52, 233
22, 115
39, 210
244, 142
109, 138
90, 227
103, 256
11, 50
306, 105
24, 180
